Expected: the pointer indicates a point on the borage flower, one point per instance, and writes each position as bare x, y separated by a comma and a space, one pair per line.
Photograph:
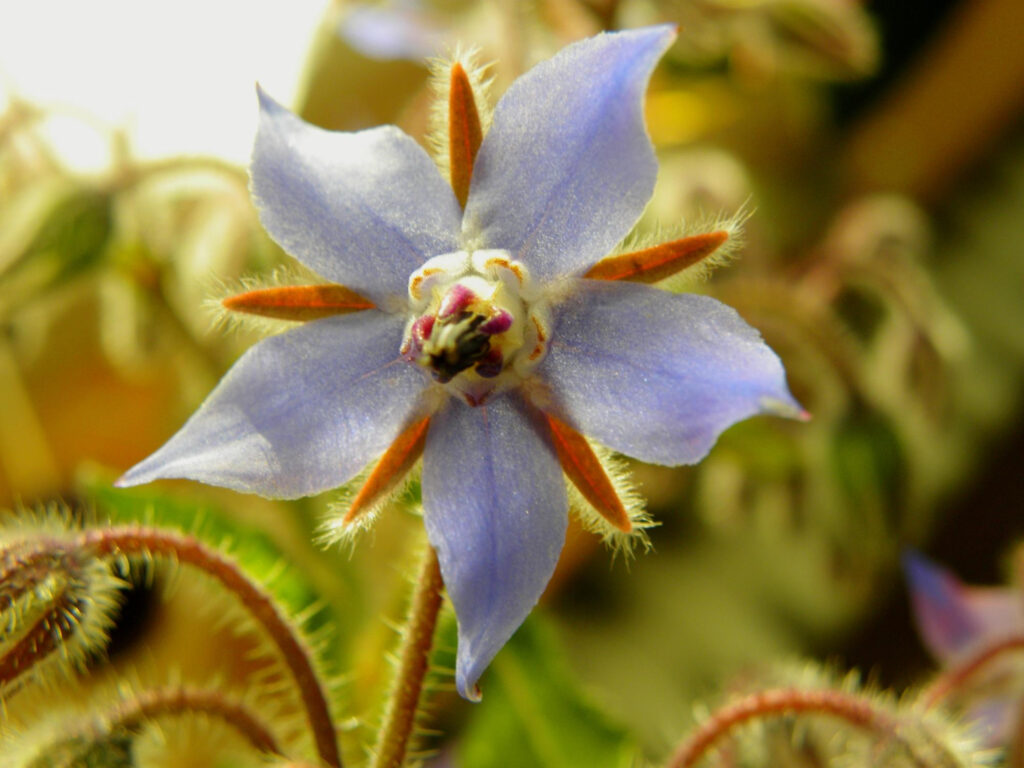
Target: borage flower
479, 327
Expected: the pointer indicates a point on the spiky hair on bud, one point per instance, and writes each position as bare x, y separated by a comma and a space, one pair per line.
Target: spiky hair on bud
57, 605
441, 77
801, 710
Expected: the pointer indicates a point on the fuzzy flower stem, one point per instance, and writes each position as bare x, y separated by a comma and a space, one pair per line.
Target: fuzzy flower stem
855, 710
413, 663
130, 541
173, 701
958, 676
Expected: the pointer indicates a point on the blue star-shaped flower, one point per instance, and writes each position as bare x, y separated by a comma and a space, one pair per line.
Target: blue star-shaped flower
481, 340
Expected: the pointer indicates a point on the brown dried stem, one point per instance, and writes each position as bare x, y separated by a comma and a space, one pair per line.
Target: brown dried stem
413, 663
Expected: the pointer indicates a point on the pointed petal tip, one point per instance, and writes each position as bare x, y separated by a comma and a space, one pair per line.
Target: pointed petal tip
930, 583
143, 473
270, 108
467, 676
924, 576
130, 478
664, 31
785, 406
268, 104
263, 98
661, 35
470, 693
915, 564
669, 31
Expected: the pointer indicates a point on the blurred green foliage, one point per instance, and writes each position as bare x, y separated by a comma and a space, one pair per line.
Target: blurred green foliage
536, 715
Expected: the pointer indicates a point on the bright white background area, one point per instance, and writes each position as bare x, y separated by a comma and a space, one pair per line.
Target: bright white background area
178, 75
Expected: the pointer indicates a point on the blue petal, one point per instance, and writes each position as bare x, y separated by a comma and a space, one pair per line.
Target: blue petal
402, 31
299, 413
655, 375
362, 209
567, 167
496, 513
943, 619
955, 619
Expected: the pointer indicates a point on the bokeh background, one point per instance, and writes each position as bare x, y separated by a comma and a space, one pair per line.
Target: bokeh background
879, 150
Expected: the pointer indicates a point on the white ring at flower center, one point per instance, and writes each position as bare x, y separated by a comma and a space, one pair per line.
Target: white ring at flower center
452, 297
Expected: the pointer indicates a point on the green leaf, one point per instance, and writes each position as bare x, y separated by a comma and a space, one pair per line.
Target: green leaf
534, 713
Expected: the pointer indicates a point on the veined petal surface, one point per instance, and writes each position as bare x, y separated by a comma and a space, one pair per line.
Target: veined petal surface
496, 512
655, 375
567, 167
299, 413
362, 209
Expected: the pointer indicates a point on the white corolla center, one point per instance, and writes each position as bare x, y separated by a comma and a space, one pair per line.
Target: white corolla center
477, 322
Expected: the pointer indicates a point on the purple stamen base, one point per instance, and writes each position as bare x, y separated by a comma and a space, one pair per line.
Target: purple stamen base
500, 323
458, 298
